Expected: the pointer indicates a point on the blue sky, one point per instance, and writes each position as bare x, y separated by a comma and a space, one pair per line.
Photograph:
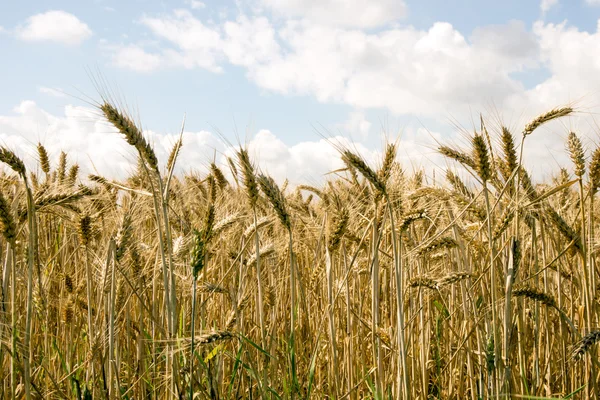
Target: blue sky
280, 71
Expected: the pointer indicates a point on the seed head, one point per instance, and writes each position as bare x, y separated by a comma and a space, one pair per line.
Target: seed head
595, 170
548, 116
14, 162
510, 154
481, 157
361, 166
44, 161
132, 133
577, 154
275, 197
584, 344
7, 222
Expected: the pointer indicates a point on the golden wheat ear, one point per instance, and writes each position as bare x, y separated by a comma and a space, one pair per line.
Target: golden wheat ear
248, 176
577, 154
7, 221
14, 162
361, 166
585, 344
276, 198
132, 133
546, 117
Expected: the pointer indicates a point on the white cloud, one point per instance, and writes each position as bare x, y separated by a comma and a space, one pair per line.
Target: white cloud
571, 58
356, 125
302, 162
199, 45
402, 69
593, 2
248, 42
245, 42
54, 92
355, 13
405, 70
90, 141
195, 4
435, 72
135, 58
54, 26
546, 5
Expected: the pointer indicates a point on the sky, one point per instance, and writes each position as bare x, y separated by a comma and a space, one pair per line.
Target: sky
289, 78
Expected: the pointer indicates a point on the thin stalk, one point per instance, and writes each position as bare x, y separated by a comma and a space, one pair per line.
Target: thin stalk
13, 323
588, 290
510, 276
493, 284
332, 334
375, 309
111, 325
261, 312
89, 277
292, 318
30, 266
397, 249
193, 322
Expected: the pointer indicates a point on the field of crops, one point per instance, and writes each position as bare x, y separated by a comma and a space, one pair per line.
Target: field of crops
379, 284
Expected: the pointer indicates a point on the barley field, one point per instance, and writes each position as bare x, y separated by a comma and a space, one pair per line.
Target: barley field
380, 284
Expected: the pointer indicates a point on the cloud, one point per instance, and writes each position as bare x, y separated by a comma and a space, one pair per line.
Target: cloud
593, 2
546, 5
135, 58
571, 59
198, 45
97, 147
406, 70
195, 4
250, 41
54, 92
244, 42
54, 26
432, 72
92, 142
351, 13
302, 162
356, 125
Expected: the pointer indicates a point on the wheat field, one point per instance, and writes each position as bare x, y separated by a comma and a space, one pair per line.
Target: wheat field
379, 284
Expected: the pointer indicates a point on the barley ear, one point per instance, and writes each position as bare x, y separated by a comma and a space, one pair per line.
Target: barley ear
481, 157
249, 179
510, 154
7, 222
219, 176
132, 133
595, 170
388, 162
276, 198
361, 166
543, 118
585, 344
339, 230
577, 154
201, 240
44, 161
456, 155
62, 167
14, 162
